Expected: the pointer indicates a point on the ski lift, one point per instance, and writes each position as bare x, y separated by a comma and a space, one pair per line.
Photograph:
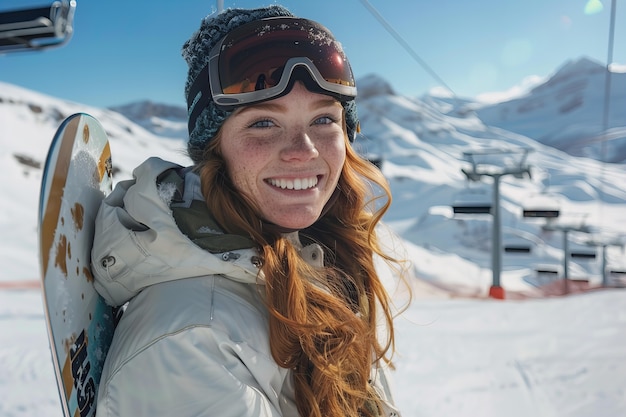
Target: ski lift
517, 248
582, 251
541, 206
473, 201
544, 274
583, 254
36, 28
618, 277
547, 270
515, 244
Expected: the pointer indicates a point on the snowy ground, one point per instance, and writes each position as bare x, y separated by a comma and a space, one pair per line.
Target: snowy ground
555, 357
559, 357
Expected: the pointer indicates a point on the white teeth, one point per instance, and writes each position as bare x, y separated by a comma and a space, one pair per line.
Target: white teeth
297, 184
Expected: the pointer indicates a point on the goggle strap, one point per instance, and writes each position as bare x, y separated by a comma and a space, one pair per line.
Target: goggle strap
198, 98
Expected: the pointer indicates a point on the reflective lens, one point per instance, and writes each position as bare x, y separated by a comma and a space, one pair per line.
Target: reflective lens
254, 56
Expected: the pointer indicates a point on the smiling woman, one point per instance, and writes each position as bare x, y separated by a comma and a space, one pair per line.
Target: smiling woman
250, 276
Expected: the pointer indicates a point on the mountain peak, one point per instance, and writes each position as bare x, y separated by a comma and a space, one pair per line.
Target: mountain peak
575, 68
373, 85
144, 110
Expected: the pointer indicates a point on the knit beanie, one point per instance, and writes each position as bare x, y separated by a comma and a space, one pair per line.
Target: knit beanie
196, 52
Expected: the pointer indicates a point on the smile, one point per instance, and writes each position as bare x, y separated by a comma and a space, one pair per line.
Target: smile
295, 184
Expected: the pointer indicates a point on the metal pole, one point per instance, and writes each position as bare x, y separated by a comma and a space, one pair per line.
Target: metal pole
565, 262
496, 290
607, 76
605, 278
220, 6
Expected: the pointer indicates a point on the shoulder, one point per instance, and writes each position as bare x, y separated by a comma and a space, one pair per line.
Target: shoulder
202, 304
201, 339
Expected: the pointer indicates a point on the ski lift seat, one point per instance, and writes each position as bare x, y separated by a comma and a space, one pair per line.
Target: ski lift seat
469, 208
541, 213
473, 201
542, 205
545, 270
618, 277
517, 248
583, 255
37, 27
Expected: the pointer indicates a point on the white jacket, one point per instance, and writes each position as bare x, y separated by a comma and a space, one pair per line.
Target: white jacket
194, 338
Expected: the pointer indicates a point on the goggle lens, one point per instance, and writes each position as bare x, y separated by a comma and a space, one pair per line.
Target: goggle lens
253, 57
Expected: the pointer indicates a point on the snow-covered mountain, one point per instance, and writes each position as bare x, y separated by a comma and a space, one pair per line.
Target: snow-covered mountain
424, 143
160, 119
567, 112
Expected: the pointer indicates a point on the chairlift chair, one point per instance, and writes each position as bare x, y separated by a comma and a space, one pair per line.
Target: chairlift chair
514, 243
583, 255
517, 248
472, 208
36, 28
473, 201
541, 206
545, 274
618, 277
540, 213
547, 270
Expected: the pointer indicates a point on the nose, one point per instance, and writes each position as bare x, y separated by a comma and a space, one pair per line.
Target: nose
299, 148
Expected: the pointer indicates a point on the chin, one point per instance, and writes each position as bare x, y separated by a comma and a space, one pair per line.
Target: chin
294, 219
297, 225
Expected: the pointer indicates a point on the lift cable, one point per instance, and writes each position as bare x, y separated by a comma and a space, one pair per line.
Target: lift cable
405, 45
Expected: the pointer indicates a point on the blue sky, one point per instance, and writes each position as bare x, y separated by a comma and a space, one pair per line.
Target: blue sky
125, 51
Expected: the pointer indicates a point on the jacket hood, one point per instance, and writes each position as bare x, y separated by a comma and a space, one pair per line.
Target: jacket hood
137, 242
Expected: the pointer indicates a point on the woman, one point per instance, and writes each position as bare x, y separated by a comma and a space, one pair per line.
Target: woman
250, 276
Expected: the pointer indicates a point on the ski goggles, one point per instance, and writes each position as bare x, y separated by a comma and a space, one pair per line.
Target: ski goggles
259, 61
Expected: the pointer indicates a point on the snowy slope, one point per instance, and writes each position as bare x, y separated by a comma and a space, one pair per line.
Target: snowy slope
28, 121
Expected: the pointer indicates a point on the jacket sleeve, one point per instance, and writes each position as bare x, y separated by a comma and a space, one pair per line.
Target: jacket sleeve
196, 372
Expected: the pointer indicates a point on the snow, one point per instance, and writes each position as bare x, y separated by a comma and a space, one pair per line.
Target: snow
547, 357
560, 357
459, 353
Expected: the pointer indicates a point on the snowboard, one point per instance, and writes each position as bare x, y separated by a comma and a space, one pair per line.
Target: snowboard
77, 175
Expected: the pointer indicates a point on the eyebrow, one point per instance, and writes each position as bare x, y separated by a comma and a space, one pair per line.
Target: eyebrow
273, 106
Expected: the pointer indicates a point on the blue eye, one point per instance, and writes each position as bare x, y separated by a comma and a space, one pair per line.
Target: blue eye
325, 120
262, 123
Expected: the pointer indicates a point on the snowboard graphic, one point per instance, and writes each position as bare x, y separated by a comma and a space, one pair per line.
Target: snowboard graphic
76, 177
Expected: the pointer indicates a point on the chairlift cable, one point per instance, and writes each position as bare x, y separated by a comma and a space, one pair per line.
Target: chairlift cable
406, 45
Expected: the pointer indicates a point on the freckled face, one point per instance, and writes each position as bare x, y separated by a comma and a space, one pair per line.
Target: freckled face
286, 154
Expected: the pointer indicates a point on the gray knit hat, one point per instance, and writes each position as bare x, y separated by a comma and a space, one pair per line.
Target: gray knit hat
196, 52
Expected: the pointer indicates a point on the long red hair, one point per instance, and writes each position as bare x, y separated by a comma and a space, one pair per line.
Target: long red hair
323, 322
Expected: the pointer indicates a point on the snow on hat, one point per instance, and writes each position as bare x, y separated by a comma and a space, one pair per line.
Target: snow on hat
196, 52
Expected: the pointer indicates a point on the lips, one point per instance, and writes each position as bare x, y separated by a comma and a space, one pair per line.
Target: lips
293, 184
